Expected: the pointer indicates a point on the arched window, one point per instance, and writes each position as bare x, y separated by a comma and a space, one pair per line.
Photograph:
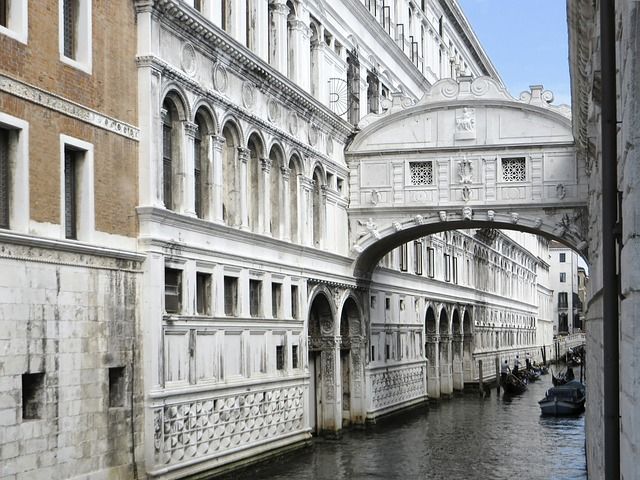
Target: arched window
317, 209
254, 171
171, 136
293, 200
230, 177
276, 157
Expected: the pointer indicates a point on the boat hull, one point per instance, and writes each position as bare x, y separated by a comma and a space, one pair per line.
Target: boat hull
561, 407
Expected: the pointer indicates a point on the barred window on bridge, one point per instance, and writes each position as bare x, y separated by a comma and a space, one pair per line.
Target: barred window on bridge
514, 169
421, 173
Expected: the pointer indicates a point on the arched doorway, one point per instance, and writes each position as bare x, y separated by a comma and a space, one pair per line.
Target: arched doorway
351, 367
446, 375
433, 372
325, 410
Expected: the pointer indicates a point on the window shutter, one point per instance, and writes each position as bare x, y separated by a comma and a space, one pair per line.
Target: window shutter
4, 179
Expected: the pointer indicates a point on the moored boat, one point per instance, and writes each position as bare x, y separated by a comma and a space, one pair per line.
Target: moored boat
513, 385
567, 399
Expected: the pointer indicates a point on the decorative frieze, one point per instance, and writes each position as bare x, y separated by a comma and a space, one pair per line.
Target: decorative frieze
396, 386
67, 107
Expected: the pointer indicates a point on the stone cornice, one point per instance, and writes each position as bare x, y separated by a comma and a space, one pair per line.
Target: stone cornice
207, 35
66, 246
67, 107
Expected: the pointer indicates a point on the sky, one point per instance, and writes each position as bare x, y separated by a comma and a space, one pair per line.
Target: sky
526, 41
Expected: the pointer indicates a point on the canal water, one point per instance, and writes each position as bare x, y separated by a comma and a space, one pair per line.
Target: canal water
498, 437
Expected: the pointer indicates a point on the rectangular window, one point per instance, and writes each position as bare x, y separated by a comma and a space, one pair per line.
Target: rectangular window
387, 303
4, 178
563, 257
75, 39
203, 293
13, 19
447, 268
514, 169
404, 253
430, 262
276, 299
279, 357
70, 193
455, 269
563, 277
116, 387
172, 290
387, 352
32, 396
255, 294
197, 4
421, 173
294, 301
340, 185
373, 353
418, 257
294, 356
563, 301
230, 296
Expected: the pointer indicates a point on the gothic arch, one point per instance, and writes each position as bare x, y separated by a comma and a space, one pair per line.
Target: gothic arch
177, 95
208, 113
323, 295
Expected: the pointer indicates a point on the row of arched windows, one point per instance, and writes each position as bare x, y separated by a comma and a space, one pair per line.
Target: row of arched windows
221, 178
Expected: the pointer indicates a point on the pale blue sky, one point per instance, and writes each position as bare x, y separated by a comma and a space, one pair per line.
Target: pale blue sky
526, 40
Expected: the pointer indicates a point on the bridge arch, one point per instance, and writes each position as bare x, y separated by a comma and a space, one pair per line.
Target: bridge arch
466, 156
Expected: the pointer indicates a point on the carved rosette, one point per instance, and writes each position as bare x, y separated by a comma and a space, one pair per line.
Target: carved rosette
248, 95
313, 134
273, 110
188, 59
220, 77
293, 123
393, 387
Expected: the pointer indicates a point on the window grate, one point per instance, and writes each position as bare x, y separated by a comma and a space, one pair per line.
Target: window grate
68, 18
70, 210
421, 173
514, 169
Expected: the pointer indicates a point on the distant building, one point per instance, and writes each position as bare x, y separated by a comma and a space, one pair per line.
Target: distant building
563, 279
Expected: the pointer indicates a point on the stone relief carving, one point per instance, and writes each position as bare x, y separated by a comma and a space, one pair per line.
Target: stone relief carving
188, 59
293, 123
467, 213
561, 191
389, 388
465, 123
515, 217
375, 197
538, 223
418, 219
491, 215
220, 77
572, 225
443, 215
328, 373
466, 193
397, 226
371, 228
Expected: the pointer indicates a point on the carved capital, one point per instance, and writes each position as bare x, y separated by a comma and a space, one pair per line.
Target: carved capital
217, 142
286, 173
243, 154
190, 129
266, 164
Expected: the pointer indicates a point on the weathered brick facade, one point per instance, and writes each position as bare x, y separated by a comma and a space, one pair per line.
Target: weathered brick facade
69, 377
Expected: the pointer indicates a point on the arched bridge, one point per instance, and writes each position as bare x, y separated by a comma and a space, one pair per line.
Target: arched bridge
467, 155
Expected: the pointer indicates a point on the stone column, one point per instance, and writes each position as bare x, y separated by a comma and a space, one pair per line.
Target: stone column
331, 385
259, 25
318, 81
217, 191
278, 35
446, 380
243, 159
358, 400
285, 218
238, 22
433, 370
188, 179
299, 39
467, 357
265, 201
458, 373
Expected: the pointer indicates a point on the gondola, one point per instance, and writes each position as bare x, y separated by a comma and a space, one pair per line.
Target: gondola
567, 399
559, 380
513, 385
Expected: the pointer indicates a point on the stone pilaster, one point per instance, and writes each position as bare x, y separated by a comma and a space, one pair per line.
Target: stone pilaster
216, 198
243, 159
188, 205
286, 200
265, 202
278, 27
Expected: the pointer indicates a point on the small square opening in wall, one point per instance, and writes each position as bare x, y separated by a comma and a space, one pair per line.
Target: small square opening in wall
294, 356
116, 387
387, 303
32, 396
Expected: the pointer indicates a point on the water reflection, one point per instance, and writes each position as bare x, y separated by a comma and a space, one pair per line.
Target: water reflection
499, 437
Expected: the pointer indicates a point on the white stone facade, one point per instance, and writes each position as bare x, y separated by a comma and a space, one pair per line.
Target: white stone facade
563, 275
